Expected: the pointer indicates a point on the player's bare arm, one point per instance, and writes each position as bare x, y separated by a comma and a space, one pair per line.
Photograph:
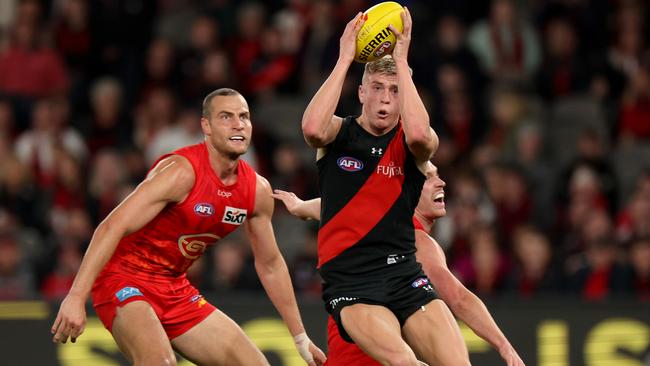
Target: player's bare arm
273, 272
420, 137
169, 181
462, 302
306, 210
319, 124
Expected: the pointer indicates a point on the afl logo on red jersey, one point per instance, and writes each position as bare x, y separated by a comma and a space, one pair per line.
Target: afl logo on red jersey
349, 164
204, 209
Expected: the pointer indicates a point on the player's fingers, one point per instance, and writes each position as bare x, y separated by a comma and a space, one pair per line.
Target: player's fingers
56, 323
397, 33
61, 335
354, 21
76, 332
406, 20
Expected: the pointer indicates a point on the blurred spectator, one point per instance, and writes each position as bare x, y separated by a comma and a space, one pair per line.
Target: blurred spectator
160, 69
537, 171
563, 70
107, 176
506, 44
186, 130
7, 120
599, 275
68, 190
16, 277
535, 272
29, 68
627, 50
290, 173
232, 267
72, 35
593, 156
634, 219
57, 283
509, 111
446, 47
106, 127
273, 67
634, 121
319, 46
204, 40
20, 195
585, 203
509, 192
304, 274
468, 207
153, 114
484, 270
247, 44
640, 262
49, 133
457, 117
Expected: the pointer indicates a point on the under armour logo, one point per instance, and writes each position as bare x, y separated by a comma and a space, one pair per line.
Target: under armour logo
376, 151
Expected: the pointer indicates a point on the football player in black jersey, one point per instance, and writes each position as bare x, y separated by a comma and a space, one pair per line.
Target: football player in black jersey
371, 172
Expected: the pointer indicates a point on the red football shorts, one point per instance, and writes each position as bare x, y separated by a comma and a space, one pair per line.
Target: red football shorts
178, 305
342, 353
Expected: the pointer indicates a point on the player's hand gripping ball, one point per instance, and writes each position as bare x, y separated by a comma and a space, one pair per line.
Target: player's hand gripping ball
375, 39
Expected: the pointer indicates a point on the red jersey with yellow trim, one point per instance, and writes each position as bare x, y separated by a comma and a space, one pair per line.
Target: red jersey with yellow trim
181, 232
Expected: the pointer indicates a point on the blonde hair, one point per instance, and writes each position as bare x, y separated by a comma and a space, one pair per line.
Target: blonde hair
384, 66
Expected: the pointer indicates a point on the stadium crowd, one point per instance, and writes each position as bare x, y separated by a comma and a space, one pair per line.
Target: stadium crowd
542, 107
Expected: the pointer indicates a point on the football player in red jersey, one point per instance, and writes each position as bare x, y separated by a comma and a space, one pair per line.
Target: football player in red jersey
136, 262
467, 306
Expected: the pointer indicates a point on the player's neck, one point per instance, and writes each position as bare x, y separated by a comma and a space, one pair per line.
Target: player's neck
427, 224
364, 122
225, 167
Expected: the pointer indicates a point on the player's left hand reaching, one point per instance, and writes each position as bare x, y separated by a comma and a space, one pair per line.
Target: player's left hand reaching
308, 350
70, 322
403, 39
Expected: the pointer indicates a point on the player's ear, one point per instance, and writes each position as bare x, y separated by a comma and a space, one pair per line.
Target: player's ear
205, 126
362, 93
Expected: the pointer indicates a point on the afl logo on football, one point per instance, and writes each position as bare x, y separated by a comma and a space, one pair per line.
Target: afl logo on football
204, 209
349, 164
382, 48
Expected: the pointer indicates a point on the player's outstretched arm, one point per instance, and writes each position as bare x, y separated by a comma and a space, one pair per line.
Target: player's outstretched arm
273, 273
319, 124
420, 137
467, 306
169, 181
306, 210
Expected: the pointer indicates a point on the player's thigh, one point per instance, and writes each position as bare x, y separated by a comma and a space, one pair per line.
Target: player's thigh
218, 340
376, 330
139, 334
435, 337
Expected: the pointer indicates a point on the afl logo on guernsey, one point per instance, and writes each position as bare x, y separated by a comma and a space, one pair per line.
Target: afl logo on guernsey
204, 209
349, 164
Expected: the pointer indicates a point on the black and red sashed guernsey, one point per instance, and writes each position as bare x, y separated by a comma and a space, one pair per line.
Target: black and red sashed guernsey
370, 186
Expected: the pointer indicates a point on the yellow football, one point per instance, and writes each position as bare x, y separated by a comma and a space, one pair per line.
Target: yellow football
375, 39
